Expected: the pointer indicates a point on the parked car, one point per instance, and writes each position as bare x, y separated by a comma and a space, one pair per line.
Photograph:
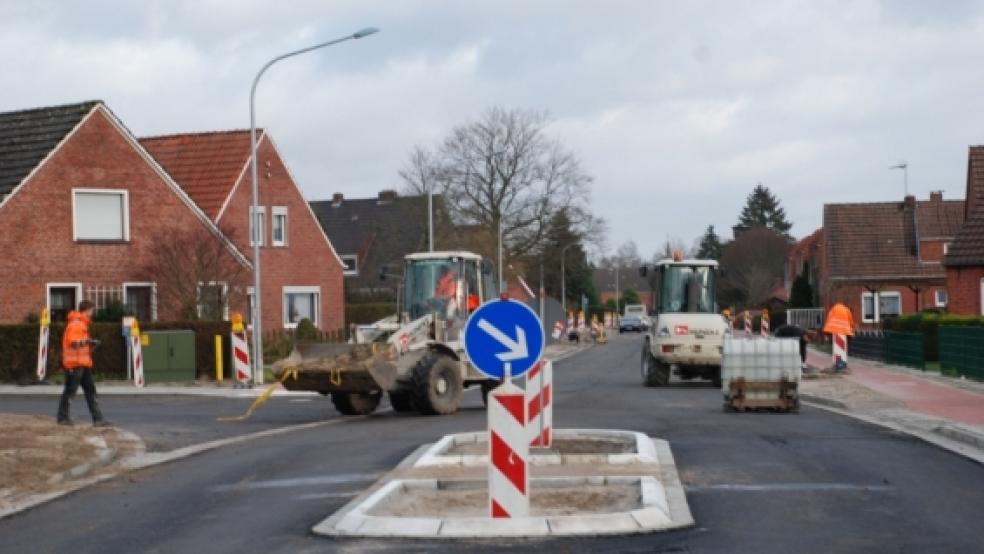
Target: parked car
630, 323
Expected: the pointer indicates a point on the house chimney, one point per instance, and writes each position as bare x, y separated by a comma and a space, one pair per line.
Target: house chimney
910, 202
386, 196
336, 199
936, 196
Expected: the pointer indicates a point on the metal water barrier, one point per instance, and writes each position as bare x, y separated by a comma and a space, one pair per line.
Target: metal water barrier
962, 350
868, 345
908, 349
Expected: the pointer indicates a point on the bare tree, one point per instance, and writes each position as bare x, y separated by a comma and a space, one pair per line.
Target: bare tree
753, 266
195, 272
504, 168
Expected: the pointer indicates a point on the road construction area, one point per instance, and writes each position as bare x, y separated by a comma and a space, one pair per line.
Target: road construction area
815, 481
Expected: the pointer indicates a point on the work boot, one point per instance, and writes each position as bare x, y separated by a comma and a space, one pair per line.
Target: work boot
101, 423
66, 422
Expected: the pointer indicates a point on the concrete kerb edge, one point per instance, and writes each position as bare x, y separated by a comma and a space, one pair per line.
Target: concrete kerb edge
936, 438
656, 514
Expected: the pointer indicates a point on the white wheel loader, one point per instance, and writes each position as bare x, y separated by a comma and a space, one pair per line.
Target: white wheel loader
687, 333
416, 356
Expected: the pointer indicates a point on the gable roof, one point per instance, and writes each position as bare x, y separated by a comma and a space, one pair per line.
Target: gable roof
968, 246
27, 137
379, 232
880, 239
206, 165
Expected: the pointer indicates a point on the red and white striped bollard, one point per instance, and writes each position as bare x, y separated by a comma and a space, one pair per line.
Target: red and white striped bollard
509, 480
840, 351
43, 344
539, 404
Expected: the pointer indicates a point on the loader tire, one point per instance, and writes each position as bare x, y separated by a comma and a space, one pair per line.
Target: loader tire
654, 373
437, 385
401, 401
356, 403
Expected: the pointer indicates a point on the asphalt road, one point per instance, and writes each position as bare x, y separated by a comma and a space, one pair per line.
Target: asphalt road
810, 482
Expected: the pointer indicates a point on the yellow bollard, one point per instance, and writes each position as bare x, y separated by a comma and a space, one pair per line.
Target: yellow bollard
218, 358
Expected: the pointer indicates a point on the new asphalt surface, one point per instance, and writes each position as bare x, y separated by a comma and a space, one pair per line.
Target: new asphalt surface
761, 482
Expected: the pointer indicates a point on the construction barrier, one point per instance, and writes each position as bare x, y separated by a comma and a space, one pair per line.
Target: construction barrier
240, 350
748, 323
764, 323
43, 344
840, 351
558, 330
539, 404
508, 452
136, 351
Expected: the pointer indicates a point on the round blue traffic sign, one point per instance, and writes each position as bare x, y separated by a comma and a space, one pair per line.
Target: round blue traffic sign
504, 332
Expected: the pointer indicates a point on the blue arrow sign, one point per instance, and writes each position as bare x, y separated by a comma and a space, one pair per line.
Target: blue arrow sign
503, 332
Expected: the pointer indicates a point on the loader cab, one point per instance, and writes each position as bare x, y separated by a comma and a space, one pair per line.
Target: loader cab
684, 286
450, 284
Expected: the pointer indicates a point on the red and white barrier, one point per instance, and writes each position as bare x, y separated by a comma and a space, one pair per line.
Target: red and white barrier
43, 347
539, 404
509, 480
136, 350
240, 356
764, 324
748, 323
840, 349
558, 330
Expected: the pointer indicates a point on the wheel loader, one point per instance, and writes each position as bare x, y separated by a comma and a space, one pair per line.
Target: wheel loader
416, 356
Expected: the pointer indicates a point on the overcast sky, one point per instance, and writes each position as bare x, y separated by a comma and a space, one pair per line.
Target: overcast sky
677, 109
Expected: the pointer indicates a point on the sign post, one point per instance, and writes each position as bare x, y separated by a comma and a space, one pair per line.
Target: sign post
505, 339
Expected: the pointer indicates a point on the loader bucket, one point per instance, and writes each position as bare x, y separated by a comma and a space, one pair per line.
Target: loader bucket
340, 367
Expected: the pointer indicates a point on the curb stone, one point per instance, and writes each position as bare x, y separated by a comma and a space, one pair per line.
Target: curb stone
810, 397
103, 457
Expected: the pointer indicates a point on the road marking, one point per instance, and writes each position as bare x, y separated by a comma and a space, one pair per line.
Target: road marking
298, 482
790, 487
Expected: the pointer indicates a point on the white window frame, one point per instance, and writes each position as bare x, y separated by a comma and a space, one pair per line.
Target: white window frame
355, 259
49, 286
153, 294
252, 221
225, 296
301, 290
278, 211
936, 297
125, 194
946, 248
876, 302
982, 296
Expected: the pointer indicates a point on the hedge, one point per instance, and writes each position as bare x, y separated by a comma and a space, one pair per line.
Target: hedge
370, 312
928, 324
19, 348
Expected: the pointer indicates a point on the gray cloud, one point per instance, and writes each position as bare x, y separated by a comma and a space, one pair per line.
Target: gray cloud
677, 109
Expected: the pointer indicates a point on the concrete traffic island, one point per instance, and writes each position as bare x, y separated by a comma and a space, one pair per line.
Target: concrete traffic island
592, 482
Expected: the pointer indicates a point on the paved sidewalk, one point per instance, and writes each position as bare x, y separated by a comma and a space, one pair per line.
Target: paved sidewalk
949, 414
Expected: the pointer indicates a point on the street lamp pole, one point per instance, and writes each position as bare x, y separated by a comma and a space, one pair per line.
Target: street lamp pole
256, 220
618, 294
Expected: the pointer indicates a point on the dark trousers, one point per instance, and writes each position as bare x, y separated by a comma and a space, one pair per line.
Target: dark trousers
79, 376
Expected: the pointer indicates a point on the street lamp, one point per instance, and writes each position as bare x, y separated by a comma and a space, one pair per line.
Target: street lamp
905, 174
502, 285
563, 278
618, 295
255, 232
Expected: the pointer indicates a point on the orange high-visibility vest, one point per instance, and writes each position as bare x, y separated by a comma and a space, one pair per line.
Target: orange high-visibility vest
76, 351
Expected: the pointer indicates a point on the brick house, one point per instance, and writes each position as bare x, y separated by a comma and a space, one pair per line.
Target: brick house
880, 258
370, 233
628, 278
965, 256
83, 209
302, 273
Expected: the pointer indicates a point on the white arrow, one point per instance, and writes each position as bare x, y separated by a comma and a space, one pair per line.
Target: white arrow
517, 348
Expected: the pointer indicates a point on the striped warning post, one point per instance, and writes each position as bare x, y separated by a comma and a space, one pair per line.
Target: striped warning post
539, 404
509, 480
764, 323
840, 351
43, 346
136, 350
748, 323
240, 356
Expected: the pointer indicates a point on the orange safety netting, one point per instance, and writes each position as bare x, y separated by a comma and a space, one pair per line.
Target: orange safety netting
839, 321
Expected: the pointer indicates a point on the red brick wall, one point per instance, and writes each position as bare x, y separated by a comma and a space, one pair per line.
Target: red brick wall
307, 260
964, 287
931, 250
36, 240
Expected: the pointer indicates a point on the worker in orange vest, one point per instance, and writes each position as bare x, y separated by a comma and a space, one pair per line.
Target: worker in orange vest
77, 348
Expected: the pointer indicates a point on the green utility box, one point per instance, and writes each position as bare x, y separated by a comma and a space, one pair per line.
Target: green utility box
168, 356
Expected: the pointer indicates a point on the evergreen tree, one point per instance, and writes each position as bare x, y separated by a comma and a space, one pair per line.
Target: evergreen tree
762, 209
560, 234
630, 296
801, 294
710, 245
